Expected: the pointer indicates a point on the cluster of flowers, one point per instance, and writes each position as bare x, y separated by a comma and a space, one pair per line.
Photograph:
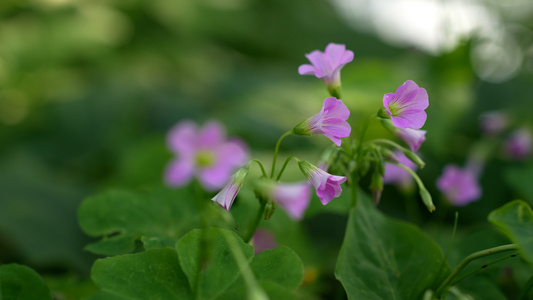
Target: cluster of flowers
208, 155
461, 185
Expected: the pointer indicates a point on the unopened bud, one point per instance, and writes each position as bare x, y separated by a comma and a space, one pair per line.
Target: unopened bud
270, 207
414, 158
426, 198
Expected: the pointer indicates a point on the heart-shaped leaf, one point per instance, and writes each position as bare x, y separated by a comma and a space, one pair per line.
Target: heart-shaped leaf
383, 258
21, 282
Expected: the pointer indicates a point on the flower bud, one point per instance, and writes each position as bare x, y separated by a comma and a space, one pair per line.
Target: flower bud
415, 158
270, 208
376, 186
426, 198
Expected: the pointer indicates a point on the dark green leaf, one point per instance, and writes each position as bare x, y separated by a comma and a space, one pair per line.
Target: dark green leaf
219, 269
515, 220
383, 258
21, 282
158, 219
153, 274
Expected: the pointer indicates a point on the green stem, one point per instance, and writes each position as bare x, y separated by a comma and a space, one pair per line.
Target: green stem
354, 183
285, 165
481, 268
254, 289
390, 143
276, 152
255, 222
526, 289
200, 205
261, 166
444, 286
411, 172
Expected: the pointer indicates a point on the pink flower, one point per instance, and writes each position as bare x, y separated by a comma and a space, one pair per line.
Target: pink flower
397, 175
330, 121
293, 197
327, 186
460, 186
413, 138
328, 64
406, 106
519, 144
228, 193
204, 153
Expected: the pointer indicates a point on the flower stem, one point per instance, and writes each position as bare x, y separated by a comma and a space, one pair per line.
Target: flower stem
457, 280
260, 166
254, 289
358, 159
444, 286
285, 165
276, 152
255, 222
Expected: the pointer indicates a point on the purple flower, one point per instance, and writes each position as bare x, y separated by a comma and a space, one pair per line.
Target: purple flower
519, 144
293, 197
330, 121
460, 186
494, 122
204, 153
406, 106
327, 186
397, 175
228, 193
413, 138
328, 64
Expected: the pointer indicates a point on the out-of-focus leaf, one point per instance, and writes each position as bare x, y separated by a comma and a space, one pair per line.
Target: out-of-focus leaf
383, 258
157, 219
519, 179
515, 220
153, 274
21, 282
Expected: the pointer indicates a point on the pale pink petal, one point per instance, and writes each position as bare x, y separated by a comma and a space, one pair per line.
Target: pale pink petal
306, 70
179, 172
319, 61
413, 138
216, 176
337, 55
413, 119
387, 99
234, 151
211, 135
294, 198
459, 185
263, 240
335, 111
182, 137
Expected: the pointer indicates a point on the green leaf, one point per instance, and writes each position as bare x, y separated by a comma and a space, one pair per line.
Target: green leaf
153, 274
157, 219
278, 271
219, 270
515, 220
21, 282
280, 265
382, 258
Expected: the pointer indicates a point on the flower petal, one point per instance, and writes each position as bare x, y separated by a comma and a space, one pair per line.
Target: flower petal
182, 137
413, 119
211, 135
179, 172
306, 70
319, 61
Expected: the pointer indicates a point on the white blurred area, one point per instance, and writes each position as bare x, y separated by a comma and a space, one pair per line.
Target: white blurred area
500, 45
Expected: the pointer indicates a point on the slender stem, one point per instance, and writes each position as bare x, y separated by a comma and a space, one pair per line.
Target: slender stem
454, 282
276, 152
411, 172
285, 165
390, 143
254, 289
526, 289
200, 204
255, 222
443, 287
354, 182
358, 159
260, 166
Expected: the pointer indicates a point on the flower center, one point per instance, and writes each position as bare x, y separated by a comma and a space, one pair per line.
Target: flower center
205, 158
394, 109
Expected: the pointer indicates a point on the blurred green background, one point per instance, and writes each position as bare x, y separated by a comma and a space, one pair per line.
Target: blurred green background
88, 90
